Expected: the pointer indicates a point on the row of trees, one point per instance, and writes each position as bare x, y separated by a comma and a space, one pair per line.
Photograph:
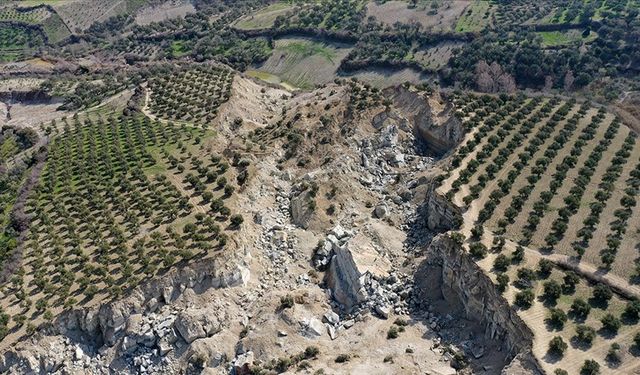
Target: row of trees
576, 192
191, 95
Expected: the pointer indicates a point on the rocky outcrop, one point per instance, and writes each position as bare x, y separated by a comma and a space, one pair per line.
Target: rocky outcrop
343, 277
301, 208
442, 214
198, 324
129, 325
465, 283
438, 128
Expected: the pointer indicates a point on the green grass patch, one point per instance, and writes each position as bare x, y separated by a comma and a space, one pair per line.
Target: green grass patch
307, 48
475, 18
563, 38
179, 49
270, 78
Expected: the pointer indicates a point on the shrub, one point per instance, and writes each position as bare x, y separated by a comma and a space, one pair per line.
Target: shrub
518, 255
610, 323
558, 318
286, 302
392, 333
457, 237
236, 220
602, 293
585, 334
552, 290
580, 308
503, 282
401, 322
524, 298
501, 263
570, 281
478, 250
228, 190
311, 352
613, 355
477, 232
590, 367
632, 310
557, 346
560, 371
544, 267
526, 277
342, 358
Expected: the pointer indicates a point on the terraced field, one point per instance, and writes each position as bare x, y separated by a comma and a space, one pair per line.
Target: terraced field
17, 42
263, 18
304, 62
80, 15
120, 199
475, 17
26, 15
191, 95
549, 191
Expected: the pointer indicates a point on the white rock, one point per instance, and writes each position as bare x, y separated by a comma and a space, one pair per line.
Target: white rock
332, 318
383, 311
79, 353
313, 327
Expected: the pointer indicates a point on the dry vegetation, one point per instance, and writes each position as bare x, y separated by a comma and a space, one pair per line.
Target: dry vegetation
438, 15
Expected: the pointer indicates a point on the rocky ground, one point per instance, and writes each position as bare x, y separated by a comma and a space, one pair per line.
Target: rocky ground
328, 289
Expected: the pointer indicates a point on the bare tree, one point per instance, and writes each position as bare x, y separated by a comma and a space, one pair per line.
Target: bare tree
568, 80
506, 83
548, 83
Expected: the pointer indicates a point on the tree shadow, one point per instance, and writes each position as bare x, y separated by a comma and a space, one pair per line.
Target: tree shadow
552, 357
607, 334
598, 303
579, 344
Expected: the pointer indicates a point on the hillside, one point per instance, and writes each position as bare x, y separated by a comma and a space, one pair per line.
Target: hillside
319, 187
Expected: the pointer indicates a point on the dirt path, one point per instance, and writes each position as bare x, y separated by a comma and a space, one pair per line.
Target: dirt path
589, 271
178, 186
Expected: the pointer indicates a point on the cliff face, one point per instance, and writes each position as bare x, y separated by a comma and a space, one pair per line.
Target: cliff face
463, 281
433, 119
442, 214
118, 328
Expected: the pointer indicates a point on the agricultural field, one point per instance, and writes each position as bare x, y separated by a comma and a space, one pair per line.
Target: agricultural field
191, 95
16, 42
304, 62
436, 57
263, 18
51, 24
563, 38
120, 199
436, 15
475, 17
329, 15
165, 11
30, 16
80, 15
549, 189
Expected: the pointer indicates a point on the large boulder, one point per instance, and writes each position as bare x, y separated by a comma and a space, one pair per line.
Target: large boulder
352, 264
196, 324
